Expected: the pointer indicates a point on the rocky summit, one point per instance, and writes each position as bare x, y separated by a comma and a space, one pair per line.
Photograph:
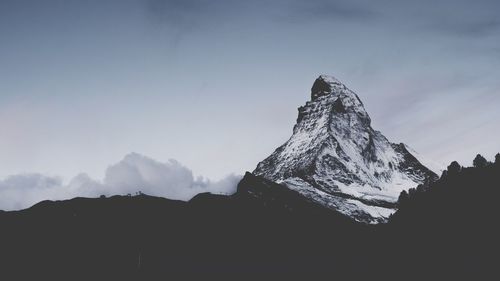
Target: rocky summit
335, 158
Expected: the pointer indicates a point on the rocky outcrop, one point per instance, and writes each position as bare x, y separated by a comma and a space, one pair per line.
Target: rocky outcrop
337, 159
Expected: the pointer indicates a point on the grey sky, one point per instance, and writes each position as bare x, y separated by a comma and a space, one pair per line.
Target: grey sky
216, 84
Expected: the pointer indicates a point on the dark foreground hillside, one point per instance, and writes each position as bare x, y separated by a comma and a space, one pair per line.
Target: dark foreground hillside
445, 230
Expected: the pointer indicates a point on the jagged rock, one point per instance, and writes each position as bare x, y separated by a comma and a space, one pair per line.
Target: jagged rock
338, 160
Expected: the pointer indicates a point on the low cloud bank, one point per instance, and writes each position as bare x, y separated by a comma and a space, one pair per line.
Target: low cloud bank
133, 174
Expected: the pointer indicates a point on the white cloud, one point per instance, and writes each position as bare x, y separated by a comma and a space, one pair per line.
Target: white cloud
20, 191
134, 173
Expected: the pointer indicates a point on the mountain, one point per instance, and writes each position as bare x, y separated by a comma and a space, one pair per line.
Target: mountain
335, 158
443, 230
150, 238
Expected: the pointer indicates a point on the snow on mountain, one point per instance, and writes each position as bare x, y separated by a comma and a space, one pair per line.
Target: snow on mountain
337, 159
435, 166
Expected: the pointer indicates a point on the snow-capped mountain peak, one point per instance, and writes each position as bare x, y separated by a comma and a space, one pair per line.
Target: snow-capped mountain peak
335, 158
324, 85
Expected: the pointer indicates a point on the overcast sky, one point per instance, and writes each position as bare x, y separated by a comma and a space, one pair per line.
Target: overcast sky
216, 84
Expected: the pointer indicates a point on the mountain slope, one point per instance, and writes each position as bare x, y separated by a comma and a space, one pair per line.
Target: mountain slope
448, 230
338, 160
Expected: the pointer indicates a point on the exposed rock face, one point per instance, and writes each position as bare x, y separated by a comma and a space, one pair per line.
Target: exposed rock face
336, 159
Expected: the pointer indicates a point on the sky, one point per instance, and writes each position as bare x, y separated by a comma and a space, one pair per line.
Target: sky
216, 84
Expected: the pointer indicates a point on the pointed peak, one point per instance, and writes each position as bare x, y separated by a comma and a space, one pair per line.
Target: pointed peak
329, 79
324, 85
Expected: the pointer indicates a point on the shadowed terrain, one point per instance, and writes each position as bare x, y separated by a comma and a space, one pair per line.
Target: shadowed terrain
445, 229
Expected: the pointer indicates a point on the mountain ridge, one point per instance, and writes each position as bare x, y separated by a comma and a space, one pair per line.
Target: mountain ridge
337, 159
446, 229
